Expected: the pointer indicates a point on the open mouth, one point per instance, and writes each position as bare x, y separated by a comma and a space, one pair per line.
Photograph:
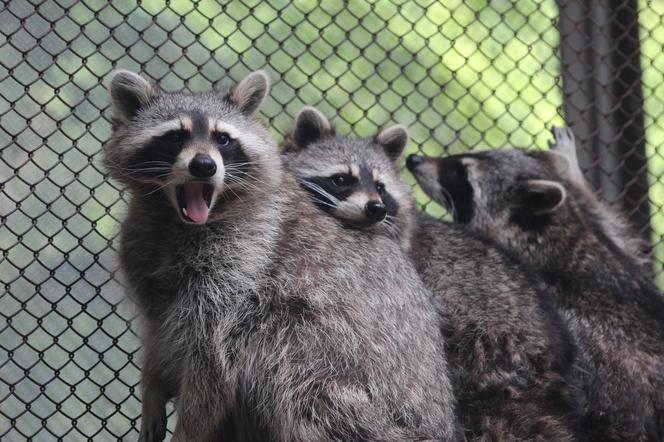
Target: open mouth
194, 201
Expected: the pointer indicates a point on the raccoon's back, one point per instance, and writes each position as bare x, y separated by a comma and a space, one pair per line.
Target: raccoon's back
463, 268
510, 351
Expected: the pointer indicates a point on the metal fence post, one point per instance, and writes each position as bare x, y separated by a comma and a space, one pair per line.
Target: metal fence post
603, 100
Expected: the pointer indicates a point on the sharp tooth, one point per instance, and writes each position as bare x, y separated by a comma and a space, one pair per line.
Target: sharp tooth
184, 211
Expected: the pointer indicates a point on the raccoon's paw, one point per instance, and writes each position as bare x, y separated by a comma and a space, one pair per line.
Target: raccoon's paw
153, 425
564, 140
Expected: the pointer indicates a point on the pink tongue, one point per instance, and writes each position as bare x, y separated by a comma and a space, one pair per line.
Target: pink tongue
194, 202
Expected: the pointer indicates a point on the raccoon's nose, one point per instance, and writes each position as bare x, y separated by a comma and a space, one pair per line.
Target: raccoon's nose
413, 160
375, 210
202, 166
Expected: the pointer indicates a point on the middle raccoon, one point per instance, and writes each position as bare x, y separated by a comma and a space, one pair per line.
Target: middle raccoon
507, 348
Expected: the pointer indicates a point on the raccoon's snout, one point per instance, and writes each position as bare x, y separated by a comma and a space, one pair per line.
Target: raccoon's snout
202, 166
375, 210
413, 161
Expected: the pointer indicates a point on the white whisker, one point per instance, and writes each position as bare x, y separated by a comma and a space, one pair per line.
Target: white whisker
319, 190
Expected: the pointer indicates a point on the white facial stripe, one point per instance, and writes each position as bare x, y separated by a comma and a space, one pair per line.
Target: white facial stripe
324, 170
222, 126
350, 210
376, 175
355, 170
359, 199
474, 178
183, 159
155, 131
186, 123
216, 156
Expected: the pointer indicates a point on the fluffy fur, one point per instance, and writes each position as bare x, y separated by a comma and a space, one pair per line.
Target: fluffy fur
531, 204
566, 165
507, 348
268, 321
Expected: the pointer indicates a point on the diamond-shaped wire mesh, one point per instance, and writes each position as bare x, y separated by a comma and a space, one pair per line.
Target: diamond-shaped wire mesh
461, 74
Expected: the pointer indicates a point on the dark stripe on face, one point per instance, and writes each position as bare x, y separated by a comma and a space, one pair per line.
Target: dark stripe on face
366, 177
453, 177
328, 184
234, 156
370, 186
391, 204
199, 123
155, 159
388, 200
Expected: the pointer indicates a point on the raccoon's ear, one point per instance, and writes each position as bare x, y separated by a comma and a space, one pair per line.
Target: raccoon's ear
250, 93
310, 126
539, 197
129, 92
393, 140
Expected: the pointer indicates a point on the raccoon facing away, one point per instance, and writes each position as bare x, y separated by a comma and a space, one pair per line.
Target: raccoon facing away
508, 350
529, 203
613, 224
264, 318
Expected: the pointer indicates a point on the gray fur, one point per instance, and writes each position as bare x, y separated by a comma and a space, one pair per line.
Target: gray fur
129, 92
613, 308
250, 93
394, 140
508, 350
270, 321
315, 157
311, 126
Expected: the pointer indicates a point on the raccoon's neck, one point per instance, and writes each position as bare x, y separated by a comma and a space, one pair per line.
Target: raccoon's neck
230, 254
605, 221
581, 251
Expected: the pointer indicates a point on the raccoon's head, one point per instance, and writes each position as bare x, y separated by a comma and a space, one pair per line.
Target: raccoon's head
501, 193
201, 152
354, 180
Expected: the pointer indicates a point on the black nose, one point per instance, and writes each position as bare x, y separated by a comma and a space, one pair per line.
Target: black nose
413, 160
202, 166
375, 210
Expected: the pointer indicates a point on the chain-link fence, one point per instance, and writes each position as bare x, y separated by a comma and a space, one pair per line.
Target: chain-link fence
461, 74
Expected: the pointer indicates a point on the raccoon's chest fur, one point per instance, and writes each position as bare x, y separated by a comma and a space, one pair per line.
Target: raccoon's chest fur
197, 286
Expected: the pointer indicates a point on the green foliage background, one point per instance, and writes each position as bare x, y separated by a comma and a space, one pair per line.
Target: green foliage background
65, 323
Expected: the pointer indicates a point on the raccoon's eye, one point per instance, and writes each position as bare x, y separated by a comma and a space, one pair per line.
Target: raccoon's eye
380, 188
340, 180
222, 138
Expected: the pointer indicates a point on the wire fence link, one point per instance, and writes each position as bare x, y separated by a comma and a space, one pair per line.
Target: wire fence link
461, 74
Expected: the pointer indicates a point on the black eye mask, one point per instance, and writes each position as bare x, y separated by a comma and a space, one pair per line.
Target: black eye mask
453, 178
319, 187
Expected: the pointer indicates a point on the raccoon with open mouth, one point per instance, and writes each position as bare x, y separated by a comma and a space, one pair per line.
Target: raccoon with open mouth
539, 207
263, 318
507, 348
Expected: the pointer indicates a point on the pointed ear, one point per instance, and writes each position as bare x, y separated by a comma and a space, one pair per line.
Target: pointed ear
129, 93
310, 126
393, 140
563, 155
250, 93
541, 196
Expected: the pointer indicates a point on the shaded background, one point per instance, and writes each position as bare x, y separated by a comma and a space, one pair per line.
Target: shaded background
463, 75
